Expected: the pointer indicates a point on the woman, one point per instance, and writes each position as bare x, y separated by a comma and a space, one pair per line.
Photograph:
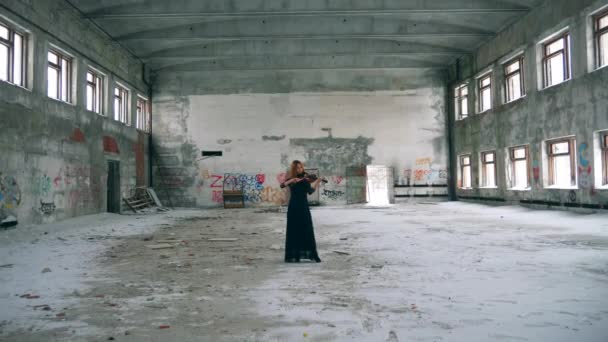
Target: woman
300, 241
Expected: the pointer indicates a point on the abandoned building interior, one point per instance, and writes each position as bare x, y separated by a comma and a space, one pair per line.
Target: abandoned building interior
144, 145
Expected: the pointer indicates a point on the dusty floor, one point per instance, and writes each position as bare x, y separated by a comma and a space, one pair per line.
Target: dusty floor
415, 272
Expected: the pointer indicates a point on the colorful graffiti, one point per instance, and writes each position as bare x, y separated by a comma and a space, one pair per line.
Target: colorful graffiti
110, 145
281, 177
78, 135
582, 148
42, 185
10, 192
337, 180
274, 195
217, 196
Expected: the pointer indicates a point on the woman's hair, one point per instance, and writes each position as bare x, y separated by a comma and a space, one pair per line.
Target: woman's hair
293, 169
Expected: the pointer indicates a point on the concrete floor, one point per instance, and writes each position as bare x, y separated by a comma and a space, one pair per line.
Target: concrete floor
413, 272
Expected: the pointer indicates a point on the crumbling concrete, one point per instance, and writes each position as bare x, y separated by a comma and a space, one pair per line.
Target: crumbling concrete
576, 107
53, 163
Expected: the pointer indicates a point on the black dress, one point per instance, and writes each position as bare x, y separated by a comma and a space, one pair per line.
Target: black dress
300, 238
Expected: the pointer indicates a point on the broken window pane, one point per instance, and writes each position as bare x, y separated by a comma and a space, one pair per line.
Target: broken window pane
519, 153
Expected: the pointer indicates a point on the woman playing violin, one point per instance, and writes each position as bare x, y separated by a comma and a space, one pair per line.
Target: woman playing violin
300, 237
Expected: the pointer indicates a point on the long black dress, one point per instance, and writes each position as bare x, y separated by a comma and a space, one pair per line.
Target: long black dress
300, 237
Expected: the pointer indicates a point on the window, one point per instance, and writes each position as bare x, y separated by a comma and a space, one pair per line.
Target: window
514, 79
561, 163
520, 176
59, 76
556, 60
601, 38
465, 171
488, 169
121, 105
12, 56
462, 101
94, 92
604, 149
143, 115
485, 93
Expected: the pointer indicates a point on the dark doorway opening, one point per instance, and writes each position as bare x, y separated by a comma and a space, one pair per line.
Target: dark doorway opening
113, 186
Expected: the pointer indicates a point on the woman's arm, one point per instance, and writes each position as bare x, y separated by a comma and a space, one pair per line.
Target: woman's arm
290, 181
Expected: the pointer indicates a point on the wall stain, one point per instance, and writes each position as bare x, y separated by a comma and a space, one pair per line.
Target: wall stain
273, 137
332, 155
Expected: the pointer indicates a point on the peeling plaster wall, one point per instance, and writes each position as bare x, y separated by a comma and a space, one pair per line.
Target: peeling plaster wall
578, 107
53, 155
261, 133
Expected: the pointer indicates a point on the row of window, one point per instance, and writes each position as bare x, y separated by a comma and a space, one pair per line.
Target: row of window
13, 62
561, 162
556, 68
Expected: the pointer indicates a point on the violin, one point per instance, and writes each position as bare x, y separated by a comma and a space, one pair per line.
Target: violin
312, 178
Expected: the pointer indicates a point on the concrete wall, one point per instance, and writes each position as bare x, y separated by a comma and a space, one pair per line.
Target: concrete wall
53, 155
578, 107
330, 119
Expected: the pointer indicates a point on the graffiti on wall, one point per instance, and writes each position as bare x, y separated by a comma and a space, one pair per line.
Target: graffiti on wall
274, 195
582, 149
10, 192
47, 208
217, 196
424, 173
333, 195
42, 185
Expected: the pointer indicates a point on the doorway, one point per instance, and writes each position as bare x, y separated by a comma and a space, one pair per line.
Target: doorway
380, 185
113, 195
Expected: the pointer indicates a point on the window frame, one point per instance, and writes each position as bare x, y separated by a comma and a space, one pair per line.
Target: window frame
143, 117
513, 160
571, 154
604, 150
481, 88
124, 101
10, 44
484, 164
459, 97
462, 166
98, 100
522, 81
598, 33
61, 56
565, 36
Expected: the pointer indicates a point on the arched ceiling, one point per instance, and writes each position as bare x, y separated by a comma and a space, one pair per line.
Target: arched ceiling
188, 35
